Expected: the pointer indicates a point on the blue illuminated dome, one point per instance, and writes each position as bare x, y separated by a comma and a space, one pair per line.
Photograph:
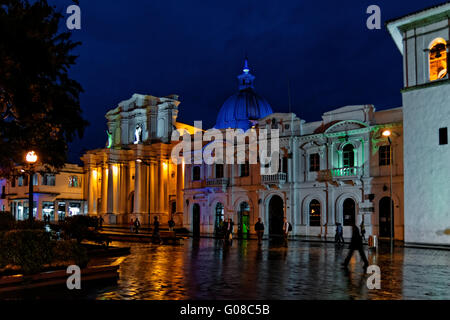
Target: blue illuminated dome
241, 110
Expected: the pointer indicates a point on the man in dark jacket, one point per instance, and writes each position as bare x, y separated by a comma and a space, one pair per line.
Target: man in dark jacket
356, 244
259, 228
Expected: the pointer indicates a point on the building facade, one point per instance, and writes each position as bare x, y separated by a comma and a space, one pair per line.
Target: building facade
133, 177
58, 195
423, 38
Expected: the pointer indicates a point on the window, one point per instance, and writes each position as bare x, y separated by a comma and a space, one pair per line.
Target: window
314, 162
438, 59
35, 180
384, 155
348, 156
443, 136
13, 182
196, 173
219, 171
48, 180
314, 213
245, 169
3, 195
21, 181
285, 165
74, 182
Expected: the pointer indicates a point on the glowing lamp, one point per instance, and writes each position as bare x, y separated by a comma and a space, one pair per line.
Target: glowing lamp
31, 157
387, 133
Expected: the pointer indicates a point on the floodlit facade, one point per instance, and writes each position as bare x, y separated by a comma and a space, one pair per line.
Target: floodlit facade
133, 177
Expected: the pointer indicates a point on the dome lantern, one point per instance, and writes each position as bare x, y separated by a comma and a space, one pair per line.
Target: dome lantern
243, 109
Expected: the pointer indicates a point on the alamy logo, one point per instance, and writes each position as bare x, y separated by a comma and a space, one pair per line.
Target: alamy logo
374, 20
74, 20
374, 280
225, 147
74, 280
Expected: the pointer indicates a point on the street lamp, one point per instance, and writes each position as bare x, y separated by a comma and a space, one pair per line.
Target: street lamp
388, 134
31, 159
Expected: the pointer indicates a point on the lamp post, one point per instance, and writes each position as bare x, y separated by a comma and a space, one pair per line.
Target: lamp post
388, 134
31, 159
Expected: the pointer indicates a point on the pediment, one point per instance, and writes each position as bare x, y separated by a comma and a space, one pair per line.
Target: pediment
346, 125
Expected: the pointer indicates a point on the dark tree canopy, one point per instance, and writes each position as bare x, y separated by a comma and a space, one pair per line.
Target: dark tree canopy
39, 103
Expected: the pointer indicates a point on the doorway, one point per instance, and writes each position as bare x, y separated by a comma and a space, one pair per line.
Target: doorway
385, 217
244, 219
349, 210
196, 220
276, 215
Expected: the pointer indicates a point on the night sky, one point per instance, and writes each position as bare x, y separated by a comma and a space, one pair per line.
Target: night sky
196, 49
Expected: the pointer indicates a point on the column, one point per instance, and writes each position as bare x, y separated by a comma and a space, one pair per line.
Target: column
104, 187
137, 188
123, 191
90, 190
154, 187
180, 187
110, 197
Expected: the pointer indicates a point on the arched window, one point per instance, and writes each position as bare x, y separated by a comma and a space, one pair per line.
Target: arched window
438, 59
314, 213
196, 173
348, 156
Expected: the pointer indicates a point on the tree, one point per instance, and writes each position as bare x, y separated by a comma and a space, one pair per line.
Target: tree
39, 102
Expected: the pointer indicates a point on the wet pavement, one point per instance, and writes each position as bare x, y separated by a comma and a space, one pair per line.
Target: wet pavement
208, 269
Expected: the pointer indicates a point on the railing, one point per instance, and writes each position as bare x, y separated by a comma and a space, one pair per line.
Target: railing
278, 178
339, 173
217, 182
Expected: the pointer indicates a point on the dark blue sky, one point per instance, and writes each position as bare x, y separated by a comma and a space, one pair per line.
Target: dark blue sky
196, 49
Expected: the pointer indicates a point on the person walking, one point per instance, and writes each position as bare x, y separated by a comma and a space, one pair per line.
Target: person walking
259, 228
171, 224
137, 224
155, 236
339, 234
356, 244
131, 225
286, 229
229, 232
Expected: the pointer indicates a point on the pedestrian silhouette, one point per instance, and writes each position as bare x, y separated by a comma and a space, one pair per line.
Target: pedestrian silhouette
339, 237
137, 224
259, 228
356, 244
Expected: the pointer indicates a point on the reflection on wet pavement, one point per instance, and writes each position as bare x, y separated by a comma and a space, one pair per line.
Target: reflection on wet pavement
208, 269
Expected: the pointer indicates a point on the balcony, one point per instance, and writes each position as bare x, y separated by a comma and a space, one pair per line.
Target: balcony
340, 173
217, 182
279, 178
